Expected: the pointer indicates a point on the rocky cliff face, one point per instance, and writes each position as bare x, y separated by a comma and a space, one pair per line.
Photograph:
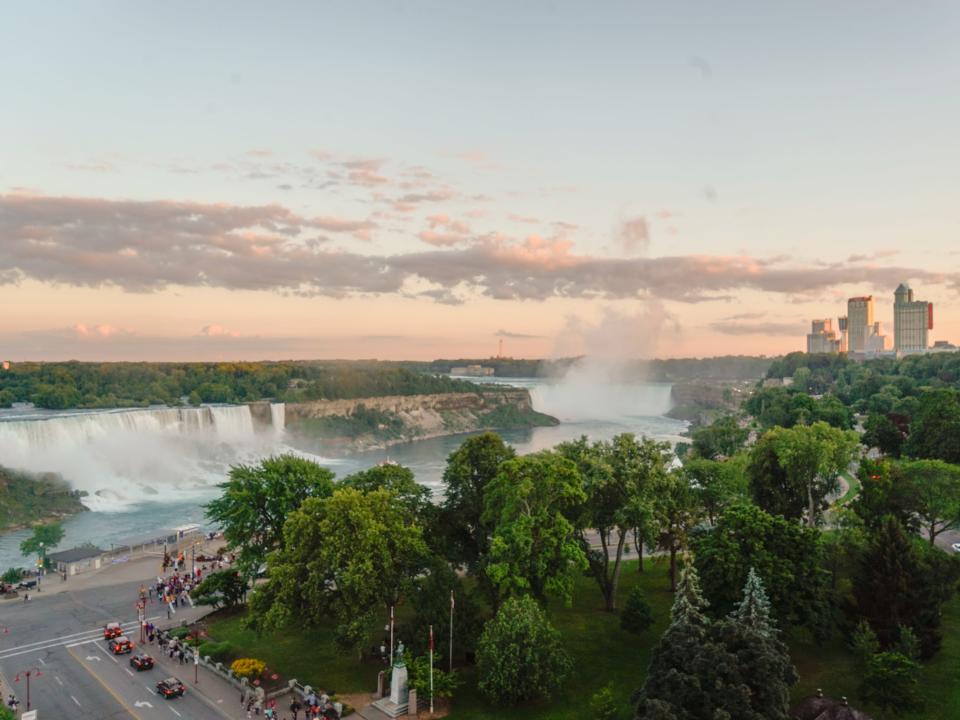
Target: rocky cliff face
380, 421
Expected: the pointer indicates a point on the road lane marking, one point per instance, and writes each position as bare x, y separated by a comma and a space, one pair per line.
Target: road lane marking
42, 661
120, 701
59, 681
76, 701
175, 712
129, 672
70, 640
107, 654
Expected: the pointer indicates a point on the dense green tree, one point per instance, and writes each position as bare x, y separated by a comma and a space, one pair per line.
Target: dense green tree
534, 548
397, 479
444, 684
224, 588
43, 539
935, 428
603, 704
470, 468
864, 642
717, 485
430, 600
617, 477
257, 500
885, 491
7, 398
793, 471
763, 661
637, 615
520, 655
890, 681
936, 488
690, 676
902, 581
786, 554
723, 436
676, 513
881, 432
348, 555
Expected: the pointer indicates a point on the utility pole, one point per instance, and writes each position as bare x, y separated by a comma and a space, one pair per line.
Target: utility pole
32, 672
431, 671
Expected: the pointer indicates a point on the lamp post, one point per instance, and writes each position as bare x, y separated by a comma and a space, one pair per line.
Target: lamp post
39, 570
32, 672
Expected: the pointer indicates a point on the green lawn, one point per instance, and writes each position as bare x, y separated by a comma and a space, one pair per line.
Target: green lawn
602, 654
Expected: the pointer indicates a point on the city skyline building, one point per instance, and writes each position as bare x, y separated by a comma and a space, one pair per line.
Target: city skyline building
822, 338
912, 321
859, 322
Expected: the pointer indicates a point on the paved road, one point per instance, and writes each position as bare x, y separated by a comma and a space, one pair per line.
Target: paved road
60, 634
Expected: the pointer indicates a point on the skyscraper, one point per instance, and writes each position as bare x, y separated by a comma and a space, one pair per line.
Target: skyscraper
822, 338
859, 322
911, 321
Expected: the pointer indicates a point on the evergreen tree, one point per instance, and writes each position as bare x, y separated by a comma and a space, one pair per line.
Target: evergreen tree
763, 662
637, 615
690, 676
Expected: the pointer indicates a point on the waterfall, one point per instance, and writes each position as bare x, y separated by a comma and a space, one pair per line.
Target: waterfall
586, 396
233, 423
278, 417
124, 457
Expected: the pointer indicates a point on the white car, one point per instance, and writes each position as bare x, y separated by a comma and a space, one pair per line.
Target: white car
956, 547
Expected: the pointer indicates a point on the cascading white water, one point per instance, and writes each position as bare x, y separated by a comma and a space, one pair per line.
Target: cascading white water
233, 423
124, 457
278, 417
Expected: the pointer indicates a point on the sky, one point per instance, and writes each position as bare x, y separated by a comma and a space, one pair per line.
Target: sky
248, 180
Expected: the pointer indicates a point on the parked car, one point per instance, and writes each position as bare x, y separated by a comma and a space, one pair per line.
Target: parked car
170, 688
112, 630
141, 662
121, 645
956, 547
27, 584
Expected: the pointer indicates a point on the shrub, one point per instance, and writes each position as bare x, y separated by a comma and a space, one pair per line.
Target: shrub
216, 651
637, 615
12, 576
603, 705
519, 655
248, 667
179, 632
890, 681
444, 683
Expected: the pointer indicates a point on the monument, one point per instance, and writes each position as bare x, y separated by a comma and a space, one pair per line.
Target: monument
399, 700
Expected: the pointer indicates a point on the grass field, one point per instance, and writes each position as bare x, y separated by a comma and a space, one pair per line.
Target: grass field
602, 654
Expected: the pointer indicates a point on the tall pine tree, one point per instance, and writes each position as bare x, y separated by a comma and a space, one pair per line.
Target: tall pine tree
763, 662
690, 674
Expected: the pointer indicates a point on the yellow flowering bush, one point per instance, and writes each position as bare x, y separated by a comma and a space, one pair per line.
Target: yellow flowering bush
248, 667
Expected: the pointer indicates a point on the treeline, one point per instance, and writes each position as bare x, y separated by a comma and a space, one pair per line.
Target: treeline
106, 385
27, 498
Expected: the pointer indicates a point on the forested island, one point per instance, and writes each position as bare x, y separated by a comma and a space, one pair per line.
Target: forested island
26, 498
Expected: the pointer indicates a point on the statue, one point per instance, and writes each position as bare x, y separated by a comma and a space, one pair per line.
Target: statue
398, 657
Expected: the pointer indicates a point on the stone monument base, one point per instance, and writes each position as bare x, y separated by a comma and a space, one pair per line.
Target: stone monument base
391, 709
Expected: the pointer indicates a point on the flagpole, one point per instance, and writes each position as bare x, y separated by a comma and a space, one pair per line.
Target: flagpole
451, 631
391, 636
431, 669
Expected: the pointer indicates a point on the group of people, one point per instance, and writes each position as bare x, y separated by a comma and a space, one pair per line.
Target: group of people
313, 707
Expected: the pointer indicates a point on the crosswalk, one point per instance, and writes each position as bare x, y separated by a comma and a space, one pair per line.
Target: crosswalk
72, 640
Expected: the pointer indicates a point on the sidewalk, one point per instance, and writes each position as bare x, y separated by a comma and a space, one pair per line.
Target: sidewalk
141, 569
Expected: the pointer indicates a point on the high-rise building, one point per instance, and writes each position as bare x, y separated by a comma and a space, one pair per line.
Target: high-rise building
859, 322
842, 327
876, 343
912, 319
822, 338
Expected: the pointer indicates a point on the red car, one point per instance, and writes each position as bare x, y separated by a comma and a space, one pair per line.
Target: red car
170, 688
112, 630
121, 645
141, 662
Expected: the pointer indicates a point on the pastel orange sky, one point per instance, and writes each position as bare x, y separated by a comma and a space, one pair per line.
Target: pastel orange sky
368, 181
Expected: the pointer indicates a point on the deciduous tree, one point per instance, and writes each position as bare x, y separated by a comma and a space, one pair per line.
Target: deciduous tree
534, 548
257, 500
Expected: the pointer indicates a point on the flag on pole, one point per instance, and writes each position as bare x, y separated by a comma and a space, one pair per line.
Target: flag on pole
431, 638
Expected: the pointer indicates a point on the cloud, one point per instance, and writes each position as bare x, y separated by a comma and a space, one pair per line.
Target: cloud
746, 316
364, 172
444, 231
217, 331
146, 246
634, 236
84, 331
516, 336
758, 328
868, 257
97, 166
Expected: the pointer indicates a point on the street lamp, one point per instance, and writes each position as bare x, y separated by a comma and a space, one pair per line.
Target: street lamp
39, 571
32, 672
